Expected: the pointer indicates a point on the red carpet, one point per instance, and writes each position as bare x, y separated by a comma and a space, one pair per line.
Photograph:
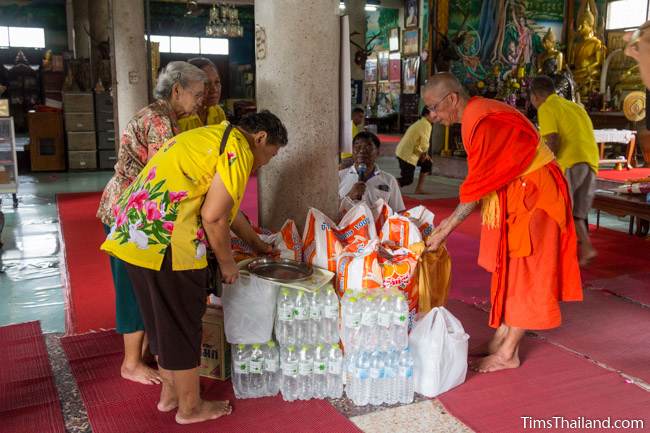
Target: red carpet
115, 405
29, 401
90, 297
550, 383
635, 287
623, 175
389, 139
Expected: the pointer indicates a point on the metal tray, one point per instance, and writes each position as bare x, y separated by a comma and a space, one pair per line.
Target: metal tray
280, 270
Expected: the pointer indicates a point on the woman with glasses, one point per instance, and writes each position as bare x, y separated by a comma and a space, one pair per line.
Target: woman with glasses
209, 113
638, 47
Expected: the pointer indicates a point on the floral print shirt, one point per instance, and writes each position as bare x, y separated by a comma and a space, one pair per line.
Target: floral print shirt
162, 207
149, 129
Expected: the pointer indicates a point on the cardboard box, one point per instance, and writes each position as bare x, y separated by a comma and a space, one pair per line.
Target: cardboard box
81, 141
82, 160
215, 351
79, 122
78, 102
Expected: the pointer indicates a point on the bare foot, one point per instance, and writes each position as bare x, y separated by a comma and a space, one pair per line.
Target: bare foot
168, 399
495, 362
207, 410
587, 255
141, 374
487, 348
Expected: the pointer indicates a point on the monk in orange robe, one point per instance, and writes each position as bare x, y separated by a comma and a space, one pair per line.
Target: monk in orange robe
528, 239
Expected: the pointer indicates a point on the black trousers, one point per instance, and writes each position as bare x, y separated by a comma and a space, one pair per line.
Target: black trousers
172, 304
407, 171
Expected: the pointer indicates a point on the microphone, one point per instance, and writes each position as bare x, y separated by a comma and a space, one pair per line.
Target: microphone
361, 171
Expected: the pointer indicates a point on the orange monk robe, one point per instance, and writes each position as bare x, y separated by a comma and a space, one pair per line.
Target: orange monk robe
532, 253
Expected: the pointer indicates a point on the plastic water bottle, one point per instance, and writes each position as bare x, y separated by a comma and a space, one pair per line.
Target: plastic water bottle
399, 328
335, 372
320, 372
240, 368
384, 321
369, 323
284, 326
329, 316
350, 373
315, 317
391, 365
352, 325
377, 382
301, 318
361, 380
272, 373
406, 386
256, 371
306, 372
290, 369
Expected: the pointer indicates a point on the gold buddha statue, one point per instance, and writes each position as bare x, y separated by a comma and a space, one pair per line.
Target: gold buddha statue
588, 55
550, 61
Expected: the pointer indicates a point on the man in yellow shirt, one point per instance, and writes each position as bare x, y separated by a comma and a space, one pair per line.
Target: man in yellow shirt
210, 113
358, 116
567, 130
412, 151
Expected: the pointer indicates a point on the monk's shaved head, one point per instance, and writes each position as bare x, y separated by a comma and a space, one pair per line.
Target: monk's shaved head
444, 82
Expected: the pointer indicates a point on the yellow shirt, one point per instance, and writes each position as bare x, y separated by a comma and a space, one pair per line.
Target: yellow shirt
162, 207
355, 130
215, 117
572, 123
415, 141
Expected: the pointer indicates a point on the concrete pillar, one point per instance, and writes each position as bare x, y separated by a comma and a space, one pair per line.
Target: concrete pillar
130, 57
355, 9
99, 18
298, 80
81, 29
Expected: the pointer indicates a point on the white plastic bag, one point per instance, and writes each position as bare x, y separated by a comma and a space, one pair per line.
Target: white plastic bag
439, 346
249, 309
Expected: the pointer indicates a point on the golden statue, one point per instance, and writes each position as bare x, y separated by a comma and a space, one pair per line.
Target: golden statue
587, 56
550, 60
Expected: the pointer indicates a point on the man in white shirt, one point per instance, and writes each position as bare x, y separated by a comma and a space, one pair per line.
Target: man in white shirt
364, 180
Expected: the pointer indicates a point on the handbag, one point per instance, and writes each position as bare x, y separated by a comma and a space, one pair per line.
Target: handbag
214, 272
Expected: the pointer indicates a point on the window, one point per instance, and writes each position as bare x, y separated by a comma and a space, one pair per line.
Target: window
30, 37
625, 14
4, 36
214, 46
162, 40
186, 45
181, 44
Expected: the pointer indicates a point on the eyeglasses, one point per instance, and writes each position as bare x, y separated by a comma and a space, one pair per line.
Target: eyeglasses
433, 108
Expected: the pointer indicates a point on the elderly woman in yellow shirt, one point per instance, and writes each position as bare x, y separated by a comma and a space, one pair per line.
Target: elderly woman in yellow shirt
185, 200
210, 113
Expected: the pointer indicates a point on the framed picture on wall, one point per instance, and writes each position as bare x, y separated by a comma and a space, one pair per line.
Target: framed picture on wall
411, 12
411, 66
411, 42
393, 39
371, 69
370, 95
383, 65
394, 67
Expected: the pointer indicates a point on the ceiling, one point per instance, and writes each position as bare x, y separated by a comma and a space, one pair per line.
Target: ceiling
209, 2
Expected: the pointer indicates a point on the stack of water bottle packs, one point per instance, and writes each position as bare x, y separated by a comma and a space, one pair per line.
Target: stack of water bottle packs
307, 329
378, 363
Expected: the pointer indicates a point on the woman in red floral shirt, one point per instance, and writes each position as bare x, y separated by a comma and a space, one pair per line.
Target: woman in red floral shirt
179, 92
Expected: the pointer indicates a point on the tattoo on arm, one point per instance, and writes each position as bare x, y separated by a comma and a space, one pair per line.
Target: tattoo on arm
462, 211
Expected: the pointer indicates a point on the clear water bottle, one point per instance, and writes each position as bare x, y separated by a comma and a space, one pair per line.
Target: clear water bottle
256, 371
399, 327
272, 373
315, 317
329, 316
306, 373
350, 373
406, 386
335, 372
301, 317
240, 379
391, 366
285, 331
320, 371
384, 321
361, 380
352, 325
290, 367
377, 382
369, 322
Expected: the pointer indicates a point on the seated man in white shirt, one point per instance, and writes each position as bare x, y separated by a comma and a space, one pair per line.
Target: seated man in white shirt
364, 180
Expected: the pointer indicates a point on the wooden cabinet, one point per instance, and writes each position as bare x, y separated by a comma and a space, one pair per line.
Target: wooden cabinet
24, 91
46, 141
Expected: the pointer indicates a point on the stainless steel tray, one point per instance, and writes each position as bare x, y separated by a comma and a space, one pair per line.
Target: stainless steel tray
280, 270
